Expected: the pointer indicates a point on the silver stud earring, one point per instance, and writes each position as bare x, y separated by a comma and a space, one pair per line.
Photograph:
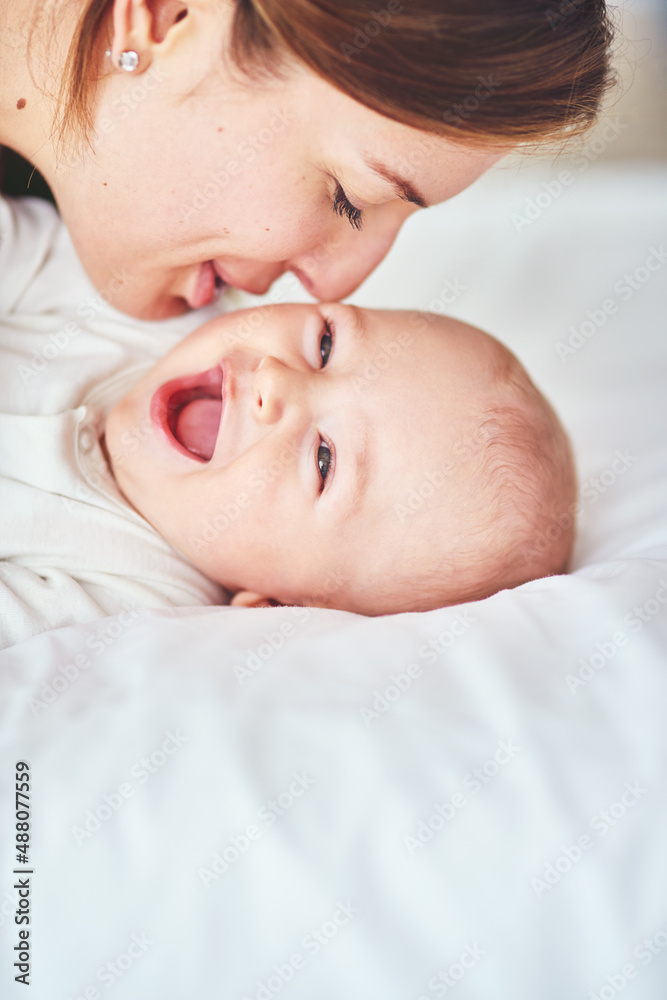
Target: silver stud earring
128, 60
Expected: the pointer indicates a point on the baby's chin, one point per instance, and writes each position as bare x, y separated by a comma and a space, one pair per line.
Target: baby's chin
120, 442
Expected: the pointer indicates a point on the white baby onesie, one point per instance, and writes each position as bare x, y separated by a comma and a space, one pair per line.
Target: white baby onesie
72, 549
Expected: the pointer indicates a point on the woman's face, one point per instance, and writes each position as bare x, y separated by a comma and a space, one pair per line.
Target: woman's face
196, 172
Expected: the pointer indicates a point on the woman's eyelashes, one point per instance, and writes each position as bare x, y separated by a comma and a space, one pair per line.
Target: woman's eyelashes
342, 206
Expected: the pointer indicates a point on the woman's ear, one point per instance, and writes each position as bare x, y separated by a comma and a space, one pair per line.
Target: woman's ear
247, 599
132, 27
138, 24
166, 13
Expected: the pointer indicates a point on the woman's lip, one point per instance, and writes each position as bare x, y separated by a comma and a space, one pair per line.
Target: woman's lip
204, 286
305, 280
159, 410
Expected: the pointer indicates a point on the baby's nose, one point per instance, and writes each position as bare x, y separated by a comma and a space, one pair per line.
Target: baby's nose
273, 389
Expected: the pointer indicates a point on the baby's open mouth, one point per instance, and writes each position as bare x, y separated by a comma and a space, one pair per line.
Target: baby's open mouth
189, 409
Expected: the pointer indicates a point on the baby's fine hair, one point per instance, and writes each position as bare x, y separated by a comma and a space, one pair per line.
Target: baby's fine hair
527, 461
517, 512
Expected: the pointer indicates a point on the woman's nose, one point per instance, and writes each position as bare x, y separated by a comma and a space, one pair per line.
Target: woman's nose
274, 388
345, 257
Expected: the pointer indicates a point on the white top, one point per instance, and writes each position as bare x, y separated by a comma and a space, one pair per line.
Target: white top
71, 548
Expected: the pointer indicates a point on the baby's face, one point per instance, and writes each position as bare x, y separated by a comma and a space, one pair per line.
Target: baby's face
300, 451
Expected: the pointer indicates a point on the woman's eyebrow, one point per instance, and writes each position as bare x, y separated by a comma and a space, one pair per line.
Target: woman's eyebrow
404, 189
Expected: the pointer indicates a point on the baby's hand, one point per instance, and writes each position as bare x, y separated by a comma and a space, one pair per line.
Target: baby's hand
246, 599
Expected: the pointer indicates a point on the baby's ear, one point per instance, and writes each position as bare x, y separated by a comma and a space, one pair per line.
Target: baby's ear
247, 599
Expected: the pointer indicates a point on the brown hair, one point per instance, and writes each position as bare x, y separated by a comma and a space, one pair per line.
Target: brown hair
480, 71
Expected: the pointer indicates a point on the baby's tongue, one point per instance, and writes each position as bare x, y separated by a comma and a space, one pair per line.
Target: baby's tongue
198, 425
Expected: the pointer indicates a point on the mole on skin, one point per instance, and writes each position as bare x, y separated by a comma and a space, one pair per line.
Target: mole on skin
20, 103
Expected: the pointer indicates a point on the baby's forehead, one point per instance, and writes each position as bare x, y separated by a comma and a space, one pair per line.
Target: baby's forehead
438, 368
448, 336
443, 344
432, 421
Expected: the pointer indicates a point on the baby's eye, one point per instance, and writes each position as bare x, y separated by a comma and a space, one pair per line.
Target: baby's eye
326, 341
323, 461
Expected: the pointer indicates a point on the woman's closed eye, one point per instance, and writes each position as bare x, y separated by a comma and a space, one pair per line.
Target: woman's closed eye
343, 206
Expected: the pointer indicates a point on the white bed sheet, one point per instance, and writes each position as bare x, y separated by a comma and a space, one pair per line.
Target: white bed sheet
524, 737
